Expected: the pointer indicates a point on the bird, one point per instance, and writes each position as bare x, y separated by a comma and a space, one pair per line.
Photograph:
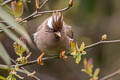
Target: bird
53, 36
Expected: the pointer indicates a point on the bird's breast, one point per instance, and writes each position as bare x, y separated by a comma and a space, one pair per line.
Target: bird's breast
48, 43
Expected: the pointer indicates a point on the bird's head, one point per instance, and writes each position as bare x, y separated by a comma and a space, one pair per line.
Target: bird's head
55, 23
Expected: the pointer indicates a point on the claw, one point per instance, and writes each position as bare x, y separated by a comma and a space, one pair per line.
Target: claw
62, 55
39, 59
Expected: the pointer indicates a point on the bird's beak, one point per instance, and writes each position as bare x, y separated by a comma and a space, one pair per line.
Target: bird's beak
58, 34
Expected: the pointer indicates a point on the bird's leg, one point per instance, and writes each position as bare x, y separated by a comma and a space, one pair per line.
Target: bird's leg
39, 59
62, 55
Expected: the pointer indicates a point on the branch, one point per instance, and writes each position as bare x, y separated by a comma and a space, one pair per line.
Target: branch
111, 75
34, 13
6, 2
35, 61
101, 42
27, 72
26, 18
56, 56
37, 13
51, 11
43, 4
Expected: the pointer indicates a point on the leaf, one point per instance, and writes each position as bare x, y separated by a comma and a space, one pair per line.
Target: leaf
17, 8
23, 60
11, 77
72, 46
6, 7
84, 52
76, 51
12, 22
90, 66
78, 58
73, 53
85, 63
19, 50
1, 0
5, 67
25, 1
91, 79
96, 72
4, 55
76, 46
2, 78
82, 47
13, 36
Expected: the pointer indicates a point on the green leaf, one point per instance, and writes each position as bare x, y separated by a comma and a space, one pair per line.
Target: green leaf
22, 60
12, 36
1, 1
2, 78
73, 53
6, 7
4, 55
17, 8
82, 47
97, 70
78, 58
11, 77
19, 50
6, 67
24, 0
14, 24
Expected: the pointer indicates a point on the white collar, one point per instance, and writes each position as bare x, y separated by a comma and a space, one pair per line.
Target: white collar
50, 23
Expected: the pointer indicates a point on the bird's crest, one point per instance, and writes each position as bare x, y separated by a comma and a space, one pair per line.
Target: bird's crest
57, 20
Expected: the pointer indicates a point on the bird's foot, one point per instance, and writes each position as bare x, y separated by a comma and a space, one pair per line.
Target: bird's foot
62, 55
39, 59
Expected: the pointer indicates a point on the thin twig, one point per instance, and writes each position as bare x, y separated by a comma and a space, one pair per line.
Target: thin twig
33, 76
6, 67
43, 4
101, 42
35, 61
36, 13
28, 17
6, 2
110, 75
51, 11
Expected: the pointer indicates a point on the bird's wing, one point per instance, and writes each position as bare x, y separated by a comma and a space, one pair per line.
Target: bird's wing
42, 24
68, 31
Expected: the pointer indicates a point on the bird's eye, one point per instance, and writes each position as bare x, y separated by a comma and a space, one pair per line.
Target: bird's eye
51, 29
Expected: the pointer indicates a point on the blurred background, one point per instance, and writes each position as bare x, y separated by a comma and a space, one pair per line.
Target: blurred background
90, 19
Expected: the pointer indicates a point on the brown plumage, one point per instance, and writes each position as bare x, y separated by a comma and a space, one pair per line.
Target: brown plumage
53, 35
